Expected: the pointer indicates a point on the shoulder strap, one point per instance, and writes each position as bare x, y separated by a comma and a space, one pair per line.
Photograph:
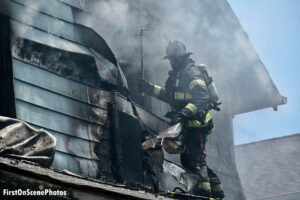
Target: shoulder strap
202, 68
208, 78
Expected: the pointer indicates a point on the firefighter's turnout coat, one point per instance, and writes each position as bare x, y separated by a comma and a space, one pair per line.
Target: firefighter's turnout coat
187, 89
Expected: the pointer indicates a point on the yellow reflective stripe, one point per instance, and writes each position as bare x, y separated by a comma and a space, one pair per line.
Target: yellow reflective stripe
188, 95
198, 124
193, 124
196, 82
179, 96
204, 185
182, 96
208, 117
191, 107
156, 90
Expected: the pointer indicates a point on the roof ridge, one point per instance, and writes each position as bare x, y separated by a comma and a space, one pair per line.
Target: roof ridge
269, 139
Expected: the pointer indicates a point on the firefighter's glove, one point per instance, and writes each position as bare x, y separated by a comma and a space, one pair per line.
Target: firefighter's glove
177, 118
182, 116
216, 106
145, 86
200, 115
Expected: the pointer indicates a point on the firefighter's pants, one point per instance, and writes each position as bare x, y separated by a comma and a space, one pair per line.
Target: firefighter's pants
193, 159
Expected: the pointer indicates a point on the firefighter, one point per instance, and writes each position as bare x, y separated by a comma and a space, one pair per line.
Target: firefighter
187, 92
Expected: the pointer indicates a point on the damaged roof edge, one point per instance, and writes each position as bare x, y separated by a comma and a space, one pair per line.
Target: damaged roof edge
281, 100
72, 182
268, 140
277, 99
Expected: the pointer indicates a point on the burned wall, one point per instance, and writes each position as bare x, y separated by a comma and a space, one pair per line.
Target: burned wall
53, 92
57, 84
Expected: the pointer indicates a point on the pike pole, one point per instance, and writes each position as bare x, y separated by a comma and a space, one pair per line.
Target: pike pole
141, 34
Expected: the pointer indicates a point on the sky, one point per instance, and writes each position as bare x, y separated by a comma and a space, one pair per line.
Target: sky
273, 27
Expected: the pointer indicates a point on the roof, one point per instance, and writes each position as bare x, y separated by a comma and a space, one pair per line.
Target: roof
77, 187
270, 169
253, 87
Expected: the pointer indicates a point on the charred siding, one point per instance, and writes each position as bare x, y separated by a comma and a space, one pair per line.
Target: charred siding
57, 84
75, 113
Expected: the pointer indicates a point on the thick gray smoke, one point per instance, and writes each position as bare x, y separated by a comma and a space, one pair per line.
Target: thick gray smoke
209, 29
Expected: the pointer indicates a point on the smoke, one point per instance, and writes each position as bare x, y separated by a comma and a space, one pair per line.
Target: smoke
211, 31
120, 10
208, 29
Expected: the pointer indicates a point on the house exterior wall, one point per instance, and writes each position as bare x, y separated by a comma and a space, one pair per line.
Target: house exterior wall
57, 86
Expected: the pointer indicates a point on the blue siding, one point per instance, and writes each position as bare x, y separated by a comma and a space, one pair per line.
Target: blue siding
56, 8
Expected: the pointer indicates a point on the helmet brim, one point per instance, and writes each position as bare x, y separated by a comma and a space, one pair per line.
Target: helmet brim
185, 54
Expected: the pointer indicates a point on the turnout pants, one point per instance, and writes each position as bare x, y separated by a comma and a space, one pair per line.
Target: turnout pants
193, 159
